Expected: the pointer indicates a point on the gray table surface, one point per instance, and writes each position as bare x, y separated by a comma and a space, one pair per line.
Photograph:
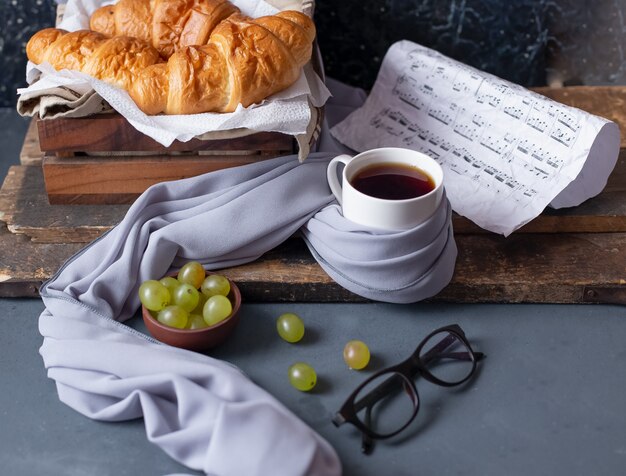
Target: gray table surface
549, 399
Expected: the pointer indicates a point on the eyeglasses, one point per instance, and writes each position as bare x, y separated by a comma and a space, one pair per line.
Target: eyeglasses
387, 402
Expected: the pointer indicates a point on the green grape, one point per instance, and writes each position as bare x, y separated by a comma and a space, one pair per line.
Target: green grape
186, 296
192, 273
153, 295
201, 301
216, 309
195, 321
290, 327
215, 284
356, 354
170, 283
173, 316
302, 376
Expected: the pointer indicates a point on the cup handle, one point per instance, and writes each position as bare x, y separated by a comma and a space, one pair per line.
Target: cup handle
331, 174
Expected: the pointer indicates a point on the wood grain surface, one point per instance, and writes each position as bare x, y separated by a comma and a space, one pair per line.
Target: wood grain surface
575, 255
31, 152
111, 132
120, 180
25, 209
105, 160
555, 268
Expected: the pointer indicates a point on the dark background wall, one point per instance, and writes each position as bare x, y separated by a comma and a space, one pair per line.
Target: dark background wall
530, 42
19, 20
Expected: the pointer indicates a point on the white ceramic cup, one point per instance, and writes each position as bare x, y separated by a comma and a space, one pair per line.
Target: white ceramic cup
378, 212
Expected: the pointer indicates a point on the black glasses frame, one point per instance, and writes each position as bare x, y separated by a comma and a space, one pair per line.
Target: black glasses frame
405, 370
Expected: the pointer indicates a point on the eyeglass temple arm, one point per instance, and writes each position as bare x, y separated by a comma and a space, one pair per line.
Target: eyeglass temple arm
437, 350
457, 356
376, 394
367, 444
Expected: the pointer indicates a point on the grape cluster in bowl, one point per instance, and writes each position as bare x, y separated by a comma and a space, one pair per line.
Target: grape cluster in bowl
193, 309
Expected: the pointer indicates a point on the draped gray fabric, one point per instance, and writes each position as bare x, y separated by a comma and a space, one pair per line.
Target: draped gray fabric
399, 267
203, 412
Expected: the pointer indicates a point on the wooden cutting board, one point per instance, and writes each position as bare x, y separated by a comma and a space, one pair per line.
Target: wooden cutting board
575, 255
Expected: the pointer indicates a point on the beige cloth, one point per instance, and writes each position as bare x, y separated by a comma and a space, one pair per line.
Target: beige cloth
61, 102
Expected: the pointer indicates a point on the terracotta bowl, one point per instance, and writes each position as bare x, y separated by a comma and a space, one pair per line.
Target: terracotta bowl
198, 340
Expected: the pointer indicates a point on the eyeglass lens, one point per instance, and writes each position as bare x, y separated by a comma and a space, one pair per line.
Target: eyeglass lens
386, 403
447, 357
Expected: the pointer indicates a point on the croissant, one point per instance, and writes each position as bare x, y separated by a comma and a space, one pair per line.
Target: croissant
244, 61
117, 60
168, 25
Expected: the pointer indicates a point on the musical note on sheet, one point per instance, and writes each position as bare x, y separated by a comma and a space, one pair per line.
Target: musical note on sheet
506, 152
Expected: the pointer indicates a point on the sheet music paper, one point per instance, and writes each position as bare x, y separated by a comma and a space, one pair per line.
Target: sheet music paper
506, 152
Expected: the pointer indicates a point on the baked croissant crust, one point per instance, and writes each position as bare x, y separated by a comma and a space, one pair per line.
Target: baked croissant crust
168, 25
244, 61
118, 60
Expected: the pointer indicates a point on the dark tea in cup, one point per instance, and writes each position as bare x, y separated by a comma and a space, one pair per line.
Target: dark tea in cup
393, 181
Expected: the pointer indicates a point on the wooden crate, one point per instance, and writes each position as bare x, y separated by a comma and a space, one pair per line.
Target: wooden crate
575, 255
104, 160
